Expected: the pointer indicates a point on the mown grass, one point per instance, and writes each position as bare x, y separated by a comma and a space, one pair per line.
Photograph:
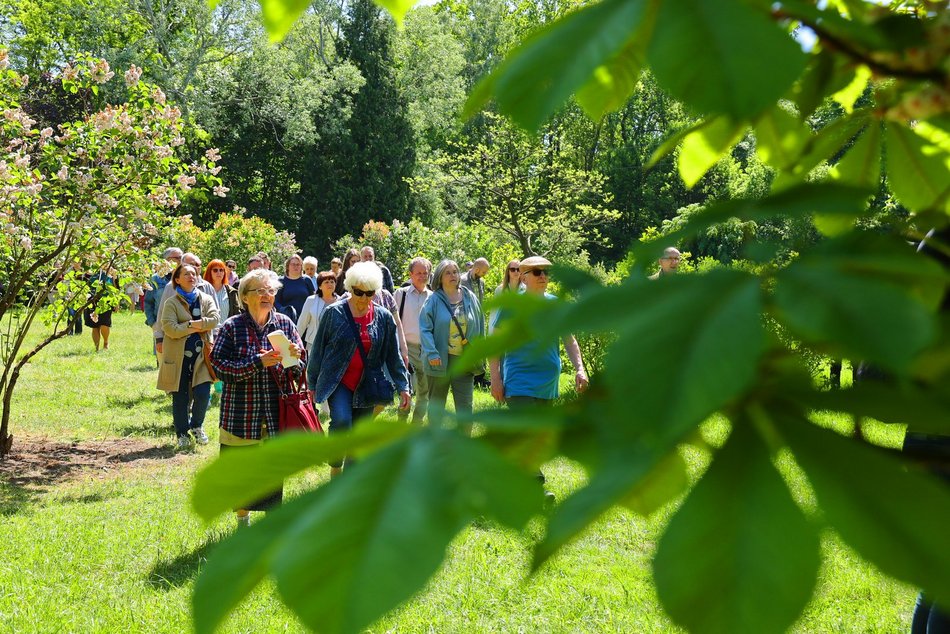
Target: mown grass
117, 549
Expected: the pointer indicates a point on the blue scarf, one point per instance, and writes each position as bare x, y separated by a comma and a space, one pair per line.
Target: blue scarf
191, 297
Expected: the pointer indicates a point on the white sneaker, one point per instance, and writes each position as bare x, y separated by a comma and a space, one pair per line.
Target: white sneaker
184, 442
200, 436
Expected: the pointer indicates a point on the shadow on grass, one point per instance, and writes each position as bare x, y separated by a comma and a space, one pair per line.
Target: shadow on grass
163, 430
174, 573
88, 498
77, 353
145, 367
127, 401
152, 453
14, 497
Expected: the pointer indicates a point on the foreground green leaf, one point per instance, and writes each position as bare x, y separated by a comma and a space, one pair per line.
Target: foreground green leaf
739, 555
709, 55
836, 297
918, 171
539, 75
239, 477
703, 147
612, 83
893, 515
348, 552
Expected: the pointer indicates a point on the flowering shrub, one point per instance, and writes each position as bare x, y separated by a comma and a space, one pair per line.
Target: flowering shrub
234, 236
95, 190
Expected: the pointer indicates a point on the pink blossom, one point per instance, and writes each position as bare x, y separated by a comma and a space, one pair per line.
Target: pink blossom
221, 191
185, 182
63, 173
213, 154
132, 75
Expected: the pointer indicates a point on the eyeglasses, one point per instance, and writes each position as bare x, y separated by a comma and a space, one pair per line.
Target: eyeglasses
217, 270
264, 291
361, 293
514, 269
539, 272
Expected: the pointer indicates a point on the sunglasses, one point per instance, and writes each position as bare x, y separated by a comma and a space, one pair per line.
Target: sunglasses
361, 293
513, 269
217, 270
265, 292
539, 272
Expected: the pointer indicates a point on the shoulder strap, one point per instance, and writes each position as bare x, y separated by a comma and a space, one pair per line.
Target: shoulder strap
356, 331
445, 302
402, 302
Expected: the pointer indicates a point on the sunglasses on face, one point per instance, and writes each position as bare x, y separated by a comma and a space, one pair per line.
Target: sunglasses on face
514, 269
217, 270
265, 291
361, 293
539, 272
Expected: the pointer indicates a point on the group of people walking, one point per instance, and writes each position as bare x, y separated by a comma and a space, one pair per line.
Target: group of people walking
357, 341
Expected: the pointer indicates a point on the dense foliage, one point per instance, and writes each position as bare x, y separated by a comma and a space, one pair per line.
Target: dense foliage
740, 554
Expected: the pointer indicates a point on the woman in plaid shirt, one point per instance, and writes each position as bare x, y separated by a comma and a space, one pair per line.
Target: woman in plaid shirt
241, 358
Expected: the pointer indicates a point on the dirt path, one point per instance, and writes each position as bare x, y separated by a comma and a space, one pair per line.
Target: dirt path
39, 462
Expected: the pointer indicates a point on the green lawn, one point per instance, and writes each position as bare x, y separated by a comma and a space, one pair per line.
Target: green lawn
97, 534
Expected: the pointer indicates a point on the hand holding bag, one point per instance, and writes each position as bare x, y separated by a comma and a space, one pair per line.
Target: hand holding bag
296, 411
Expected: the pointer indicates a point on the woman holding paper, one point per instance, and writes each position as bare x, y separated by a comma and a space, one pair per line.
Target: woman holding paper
242, 357
354, 342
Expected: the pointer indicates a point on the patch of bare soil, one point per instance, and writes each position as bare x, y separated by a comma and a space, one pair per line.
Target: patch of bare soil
39, 462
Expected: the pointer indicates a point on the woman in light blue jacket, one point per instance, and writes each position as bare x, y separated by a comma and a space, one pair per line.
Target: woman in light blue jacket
450, 318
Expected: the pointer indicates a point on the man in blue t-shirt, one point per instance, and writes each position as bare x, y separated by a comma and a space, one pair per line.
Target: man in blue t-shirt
530, 373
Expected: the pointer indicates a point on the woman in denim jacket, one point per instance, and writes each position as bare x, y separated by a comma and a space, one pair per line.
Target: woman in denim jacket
450, 318
336, 369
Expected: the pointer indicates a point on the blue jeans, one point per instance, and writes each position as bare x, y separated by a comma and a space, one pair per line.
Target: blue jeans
343, 415
197, 397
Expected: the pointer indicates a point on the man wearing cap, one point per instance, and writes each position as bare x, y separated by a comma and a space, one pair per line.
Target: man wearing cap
669, 262
157, 284
529, 375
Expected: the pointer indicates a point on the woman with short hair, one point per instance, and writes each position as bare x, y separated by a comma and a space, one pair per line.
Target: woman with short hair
295, 288
449, 319
244, 360
355, 339
310, 265
187, 318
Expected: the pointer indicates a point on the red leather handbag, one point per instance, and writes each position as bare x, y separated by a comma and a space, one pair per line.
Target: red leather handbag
296, 405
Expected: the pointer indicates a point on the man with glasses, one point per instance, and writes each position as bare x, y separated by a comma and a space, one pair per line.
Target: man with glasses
669, 262
529, 375
409, 301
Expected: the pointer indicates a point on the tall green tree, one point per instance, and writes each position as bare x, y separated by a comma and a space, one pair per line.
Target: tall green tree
368, 179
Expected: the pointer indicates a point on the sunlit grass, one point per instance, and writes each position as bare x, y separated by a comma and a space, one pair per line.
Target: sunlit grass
117, 549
